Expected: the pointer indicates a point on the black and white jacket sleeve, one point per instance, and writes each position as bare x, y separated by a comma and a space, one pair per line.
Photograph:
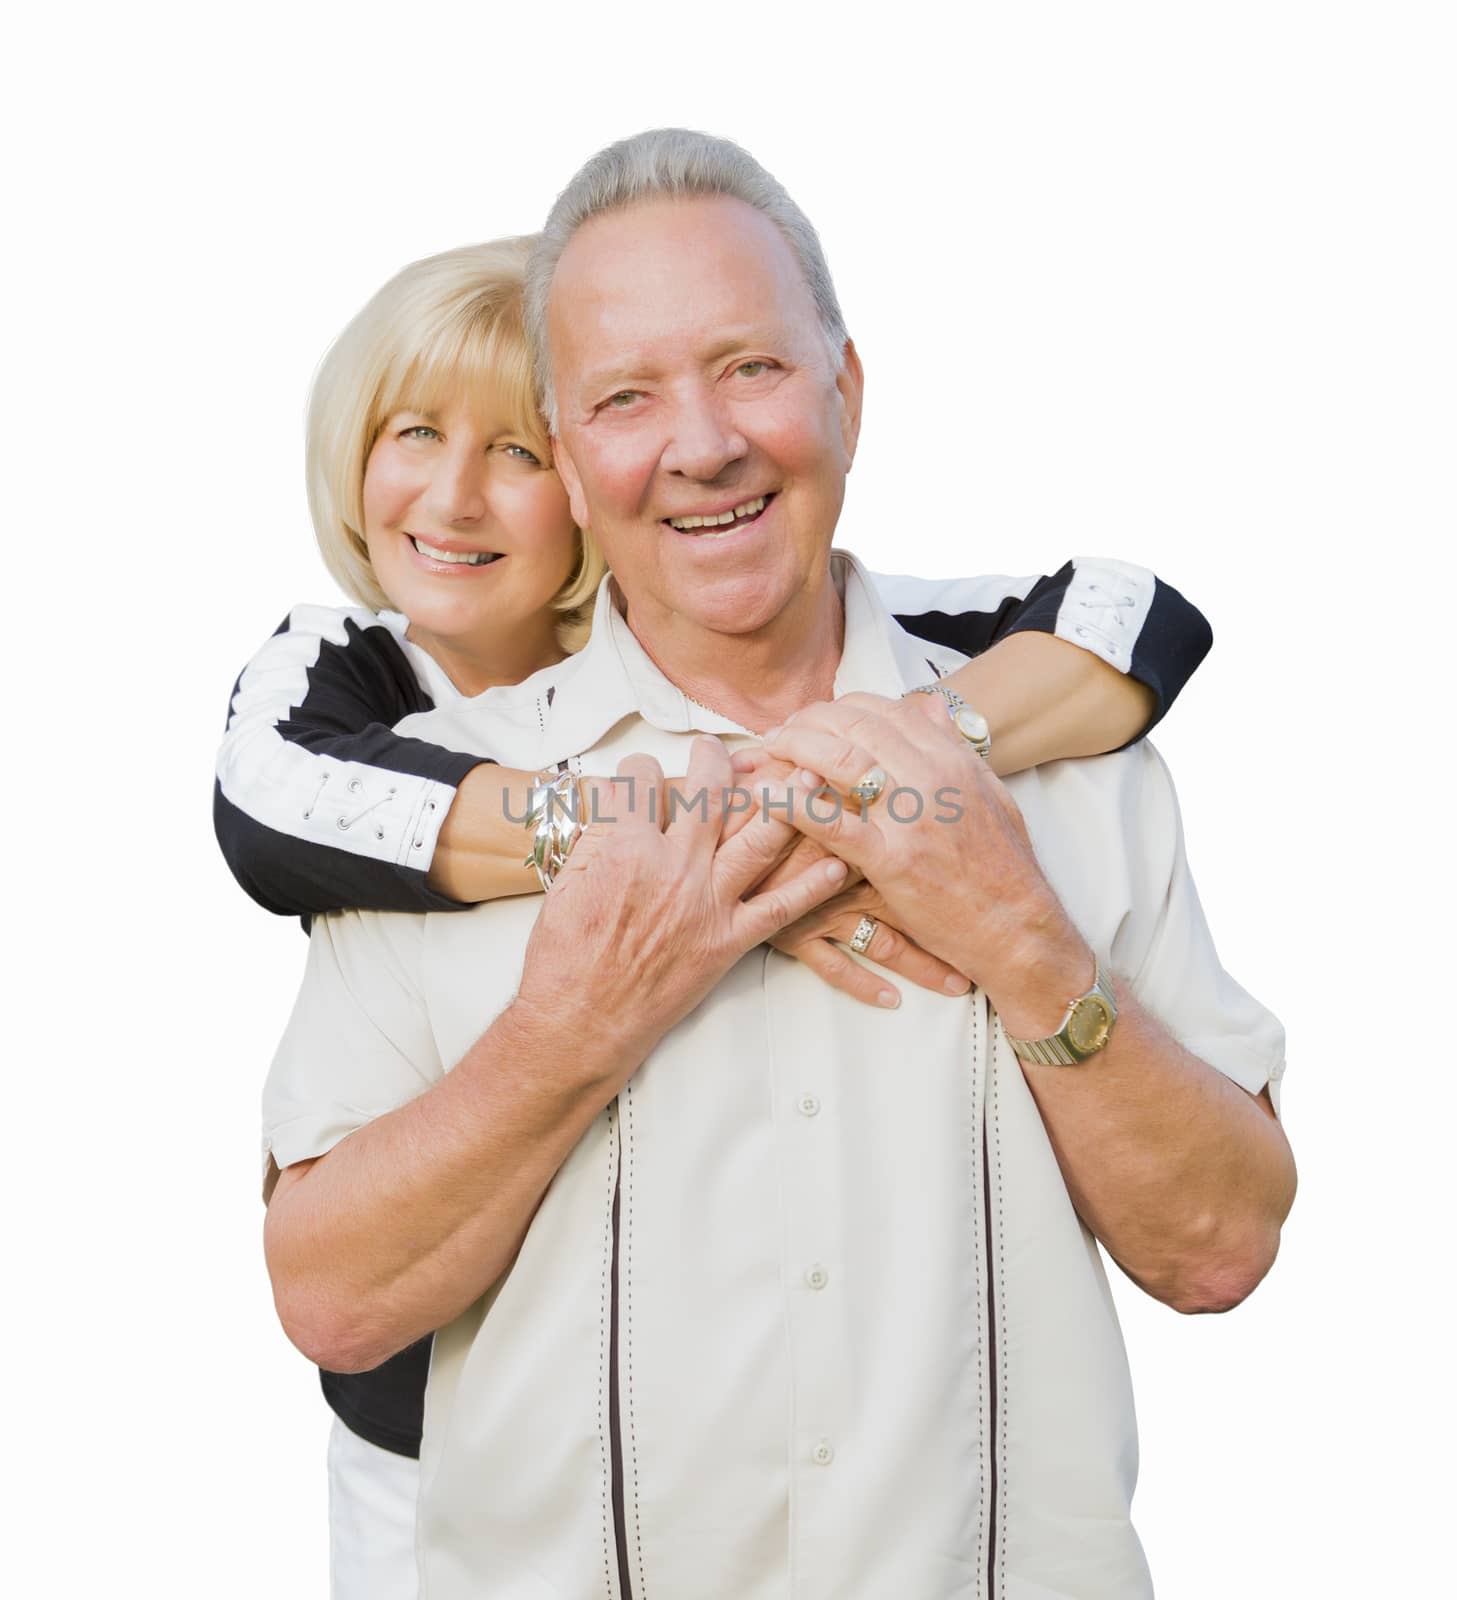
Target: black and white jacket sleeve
320, 805
1125, 615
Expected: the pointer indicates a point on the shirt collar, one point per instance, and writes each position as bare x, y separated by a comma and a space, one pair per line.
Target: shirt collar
580, 700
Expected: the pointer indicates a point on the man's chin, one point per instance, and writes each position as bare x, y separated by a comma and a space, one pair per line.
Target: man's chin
745, 604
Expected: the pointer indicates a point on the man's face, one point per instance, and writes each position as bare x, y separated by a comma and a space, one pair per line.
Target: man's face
693, 382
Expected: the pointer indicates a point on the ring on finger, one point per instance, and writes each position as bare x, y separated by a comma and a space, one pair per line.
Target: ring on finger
870, 785
865, 931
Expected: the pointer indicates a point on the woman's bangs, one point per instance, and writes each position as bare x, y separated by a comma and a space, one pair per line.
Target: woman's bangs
477, 356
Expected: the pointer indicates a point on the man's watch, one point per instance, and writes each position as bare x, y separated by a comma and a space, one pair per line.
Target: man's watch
971, 725
1085, 1029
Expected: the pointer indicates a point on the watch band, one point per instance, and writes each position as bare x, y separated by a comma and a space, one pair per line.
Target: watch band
971, 725
1085, 1029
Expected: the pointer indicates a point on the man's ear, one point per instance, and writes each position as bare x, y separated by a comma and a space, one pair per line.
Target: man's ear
567, 471
850, 381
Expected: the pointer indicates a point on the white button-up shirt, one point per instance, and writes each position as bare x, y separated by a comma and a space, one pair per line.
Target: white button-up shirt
807, 1312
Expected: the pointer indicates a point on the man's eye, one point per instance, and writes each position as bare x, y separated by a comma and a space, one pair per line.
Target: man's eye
622, 399
521, 453
752, 369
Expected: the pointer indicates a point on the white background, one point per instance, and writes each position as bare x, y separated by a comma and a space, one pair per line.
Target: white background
1167, 281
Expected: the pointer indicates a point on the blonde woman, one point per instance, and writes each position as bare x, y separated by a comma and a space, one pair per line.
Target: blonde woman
438, 511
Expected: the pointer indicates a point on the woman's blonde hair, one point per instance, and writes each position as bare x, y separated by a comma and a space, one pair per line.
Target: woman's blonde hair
445, 325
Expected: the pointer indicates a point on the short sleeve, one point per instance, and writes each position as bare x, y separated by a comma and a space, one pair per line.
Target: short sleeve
358, 1044
1166, 952
1125, 615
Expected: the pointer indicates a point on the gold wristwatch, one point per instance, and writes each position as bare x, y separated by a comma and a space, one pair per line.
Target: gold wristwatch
1085, 1029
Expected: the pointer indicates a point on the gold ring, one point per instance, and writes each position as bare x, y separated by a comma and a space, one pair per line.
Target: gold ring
865, 931
870, 786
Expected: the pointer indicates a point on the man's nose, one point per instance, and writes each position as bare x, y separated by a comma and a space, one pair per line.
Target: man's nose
458, 488
705, 439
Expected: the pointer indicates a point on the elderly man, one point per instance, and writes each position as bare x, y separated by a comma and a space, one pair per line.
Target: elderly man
747, 1291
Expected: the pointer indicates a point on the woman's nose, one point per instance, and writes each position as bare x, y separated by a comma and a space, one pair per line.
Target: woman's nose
458, 489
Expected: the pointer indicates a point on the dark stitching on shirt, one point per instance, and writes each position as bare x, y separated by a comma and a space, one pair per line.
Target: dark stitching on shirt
614, 1386
630, 1122
602, 1367
1004, 1432
978, 1144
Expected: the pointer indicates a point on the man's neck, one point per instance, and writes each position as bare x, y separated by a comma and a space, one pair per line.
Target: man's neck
755, 679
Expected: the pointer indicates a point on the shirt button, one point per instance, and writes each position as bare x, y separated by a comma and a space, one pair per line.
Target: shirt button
816, 1276
823, 1453
809, 1105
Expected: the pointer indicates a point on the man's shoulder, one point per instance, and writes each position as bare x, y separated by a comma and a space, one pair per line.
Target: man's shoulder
505, 723
1120, 808
391, 937
1120, 782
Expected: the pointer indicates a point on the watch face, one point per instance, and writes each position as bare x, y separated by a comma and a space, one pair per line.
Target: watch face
970, 724
1087, 1028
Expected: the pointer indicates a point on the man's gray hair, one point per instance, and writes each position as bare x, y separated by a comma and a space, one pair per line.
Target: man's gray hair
670, 163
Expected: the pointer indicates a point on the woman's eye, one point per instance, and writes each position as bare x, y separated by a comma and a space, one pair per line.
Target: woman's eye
520, 453
419, 430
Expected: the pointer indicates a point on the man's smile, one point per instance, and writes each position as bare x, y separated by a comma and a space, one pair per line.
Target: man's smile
714, 523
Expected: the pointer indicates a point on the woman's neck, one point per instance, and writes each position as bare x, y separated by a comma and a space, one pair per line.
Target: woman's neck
474, 668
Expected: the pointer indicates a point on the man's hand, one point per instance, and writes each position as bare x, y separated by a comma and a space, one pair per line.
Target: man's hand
945, 845
643, 920
1183, 1175
815, 939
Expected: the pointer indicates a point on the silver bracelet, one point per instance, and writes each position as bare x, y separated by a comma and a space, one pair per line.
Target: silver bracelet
555, 822
971, 725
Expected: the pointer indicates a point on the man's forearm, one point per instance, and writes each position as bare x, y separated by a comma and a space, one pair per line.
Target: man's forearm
405, 1223
1183, 1176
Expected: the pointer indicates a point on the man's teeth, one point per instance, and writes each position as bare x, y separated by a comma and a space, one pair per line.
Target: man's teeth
469, 558
750, 508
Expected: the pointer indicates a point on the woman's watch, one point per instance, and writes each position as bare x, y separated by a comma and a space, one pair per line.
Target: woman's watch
971, 725
1085, 1029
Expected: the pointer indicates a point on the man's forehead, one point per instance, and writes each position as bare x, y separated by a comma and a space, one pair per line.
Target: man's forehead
632, 279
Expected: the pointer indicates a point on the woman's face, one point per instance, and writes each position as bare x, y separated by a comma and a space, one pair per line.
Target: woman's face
470, 536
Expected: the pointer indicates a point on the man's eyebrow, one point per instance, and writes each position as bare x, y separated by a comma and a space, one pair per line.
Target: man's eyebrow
622, 374
742, 339
619, 375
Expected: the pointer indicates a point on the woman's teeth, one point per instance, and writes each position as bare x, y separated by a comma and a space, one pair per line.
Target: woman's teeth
467, 558
725, 519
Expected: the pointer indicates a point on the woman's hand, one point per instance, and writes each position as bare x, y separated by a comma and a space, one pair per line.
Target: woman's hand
815, 939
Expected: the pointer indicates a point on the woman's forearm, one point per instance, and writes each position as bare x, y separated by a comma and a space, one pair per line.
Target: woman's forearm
480, 853
1047, 700
482, 846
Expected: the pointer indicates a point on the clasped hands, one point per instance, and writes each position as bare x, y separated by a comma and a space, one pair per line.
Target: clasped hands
942, 858
941, 861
